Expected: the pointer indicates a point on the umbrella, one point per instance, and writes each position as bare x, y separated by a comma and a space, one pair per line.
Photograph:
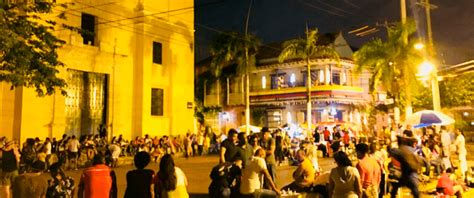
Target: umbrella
252, 128
427, 118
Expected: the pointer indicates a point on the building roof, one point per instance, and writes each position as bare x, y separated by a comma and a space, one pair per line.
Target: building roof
273, 50
268, 53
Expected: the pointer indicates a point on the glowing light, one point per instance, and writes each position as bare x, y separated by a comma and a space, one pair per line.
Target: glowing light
425, 68
292, 78
321, 76
466, 113
264, 82
226, 116
419, 46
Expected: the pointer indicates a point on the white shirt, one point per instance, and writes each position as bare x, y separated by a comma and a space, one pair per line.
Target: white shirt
460, 145
180, 177
445, 138
251, 175
48, 148
73, 145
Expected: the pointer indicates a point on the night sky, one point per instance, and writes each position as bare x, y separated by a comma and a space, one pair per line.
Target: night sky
278, 20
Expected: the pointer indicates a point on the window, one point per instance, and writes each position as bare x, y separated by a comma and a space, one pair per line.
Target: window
156, 102
336, 77
88, 29
157, 53
264, 82
292, 80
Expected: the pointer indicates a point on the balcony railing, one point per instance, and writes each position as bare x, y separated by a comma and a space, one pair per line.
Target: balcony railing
289, 90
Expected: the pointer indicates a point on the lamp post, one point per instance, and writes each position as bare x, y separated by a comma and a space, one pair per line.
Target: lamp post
431, 52
429, 69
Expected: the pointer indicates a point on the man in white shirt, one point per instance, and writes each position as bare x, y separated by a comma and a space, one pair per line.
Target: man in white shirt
445, 141
251, 183
460, 143
73, 148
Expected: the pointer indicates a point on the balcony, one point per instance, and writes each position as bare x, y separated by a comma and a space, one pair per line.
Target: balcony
213, 100
319, 93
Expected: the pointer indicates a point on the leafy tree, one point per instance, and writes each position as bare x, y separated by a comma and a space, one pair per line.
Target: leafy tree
392, 62
305, 49
234, 48
28, 46
455, 92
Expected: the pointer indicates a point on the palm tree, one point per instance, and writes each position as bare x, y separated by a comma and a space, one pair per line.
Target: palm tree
306, 49
234, 48
393, 63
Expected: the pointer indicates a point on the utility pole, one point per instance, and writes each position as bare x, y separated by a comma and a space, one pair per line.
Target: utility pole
403, 15
431, 54
247, 73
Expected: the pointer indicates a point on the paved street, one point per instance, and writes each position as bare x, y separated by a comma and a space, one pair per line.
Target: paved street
197, 170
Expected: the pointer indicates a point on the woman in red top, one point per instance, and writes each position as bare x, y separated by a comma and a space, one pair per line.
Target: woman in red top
447, 186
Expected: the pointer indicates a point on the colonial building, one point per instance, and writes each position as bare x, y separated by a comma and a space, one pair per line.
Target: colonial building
133, 74
278, 90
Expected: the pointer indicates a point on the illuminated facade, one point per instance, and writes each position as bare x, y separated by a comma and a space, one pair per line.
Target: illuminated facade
134, 75
278, 90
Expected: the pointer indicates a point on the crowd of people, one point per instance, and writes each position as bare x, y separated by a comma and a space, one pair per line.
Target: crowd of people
247, 164
31, 162
366, 167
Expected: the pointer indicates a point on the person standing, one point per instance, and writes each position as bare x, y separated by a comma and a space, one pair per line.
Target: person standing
445, 143
250, 182
98, 181
369, 171
48, 147
200, 143
409, 164
460, 143
344, 180
244, 149
268, 143
170, 181
31, 185
139, 181
73, 149
61, 149
10, 160
228, 147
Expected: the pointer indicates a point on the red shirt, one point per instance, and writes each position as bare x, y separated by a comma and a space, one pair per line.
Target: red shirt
446, 183
326, 135
369, 171
97, 181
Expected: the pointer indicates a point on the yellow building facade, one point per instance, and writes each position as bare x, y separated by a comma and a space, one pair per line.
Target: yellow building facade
134, 74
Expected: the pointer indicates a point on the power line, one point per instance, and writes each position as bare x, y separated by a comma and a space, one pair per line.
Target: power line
334, 7
90, 6
351, 4
319, 8
116, 14
139, 32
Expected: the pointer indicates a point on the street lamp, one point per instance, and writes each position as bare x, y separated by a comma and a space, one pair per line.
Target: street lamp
428, 69
419, 46
425, 68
